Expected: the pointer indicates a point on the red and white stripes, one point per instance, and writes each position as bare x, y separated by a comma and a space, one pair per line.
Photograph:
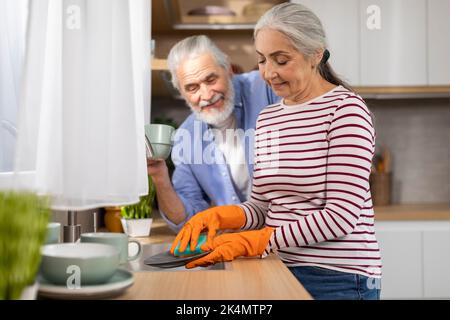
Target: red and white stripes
311, 183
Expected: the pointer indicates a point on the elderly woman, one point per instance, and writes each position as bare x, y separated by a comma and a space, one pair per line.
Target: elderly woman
310, 202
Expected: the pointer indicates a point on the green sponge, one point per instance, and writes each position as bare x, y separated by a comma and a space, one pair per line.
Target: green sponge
201, 240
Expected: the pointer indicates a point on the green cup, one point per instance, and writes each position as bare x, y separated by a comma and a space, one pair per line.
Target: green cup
118, 240
53, 233
160, 138
88, 263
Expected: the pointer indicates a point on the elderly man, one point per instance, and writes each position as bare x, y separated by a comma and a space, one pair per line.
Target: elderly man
213, 148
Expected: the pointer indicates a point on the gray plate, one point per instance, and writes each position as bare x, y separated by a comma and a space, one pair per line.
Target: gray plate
118, 283
149, 250
168, 260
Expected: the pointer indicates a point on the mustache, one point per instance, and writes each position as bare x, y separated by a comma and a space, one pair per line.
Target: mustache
214, 99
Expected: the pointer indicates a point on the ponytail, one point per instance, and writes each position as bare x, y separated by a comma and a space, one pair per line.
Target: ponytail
328, 73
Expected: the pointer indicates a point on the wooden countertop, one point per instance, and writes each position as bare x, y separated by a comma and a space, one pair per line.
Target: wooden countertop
242, 279
412, 212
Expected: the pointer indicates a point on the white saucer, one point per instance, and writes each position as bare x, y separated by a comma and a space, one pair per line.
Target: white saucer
120, 281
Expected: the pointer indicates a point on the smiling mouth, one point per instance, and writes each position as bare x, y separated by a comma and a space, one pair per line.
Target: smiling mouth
277, 85
213, 104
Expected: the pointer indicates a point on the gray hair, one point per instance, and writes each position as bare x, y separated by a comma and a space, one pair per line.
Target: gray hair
305, 31
190, 48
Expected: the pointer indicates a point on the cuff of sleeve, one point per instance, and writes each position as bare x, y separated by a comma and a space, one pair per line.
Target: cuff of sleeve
270, 247
174, 227
177, 227
266, 252
248, 217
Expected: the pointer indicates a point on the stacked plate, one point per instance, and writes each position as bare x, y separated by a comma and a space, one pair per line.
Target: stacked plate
81, 271
168, 260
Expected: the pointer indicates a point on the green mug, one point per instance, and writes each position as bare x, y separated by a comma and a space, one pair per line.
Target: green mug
159, 140
90, 263
53, 233
119, 240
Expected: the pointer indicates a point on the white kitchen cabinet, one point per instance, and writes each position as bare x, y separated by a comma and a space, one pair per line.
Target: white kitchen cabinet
393, 42
436, 245
401, 254
387, 42
416, 259
340, 20
438, 42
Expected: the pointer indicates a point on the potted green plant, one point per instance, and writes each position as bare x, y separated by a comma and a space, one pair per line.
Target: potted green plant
23, 229
137, 218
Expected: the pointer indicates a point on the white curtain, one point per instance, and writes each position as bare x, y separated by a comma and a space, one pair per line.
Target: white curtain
84, 90
13, 18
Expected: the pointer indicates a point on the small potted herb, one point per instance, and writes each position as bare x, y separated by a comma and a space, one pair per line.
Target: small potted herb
137, 218
23, 229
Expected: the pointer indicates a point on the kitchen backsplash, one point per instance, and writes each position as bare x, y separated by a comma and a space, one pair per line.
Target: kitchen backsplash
416, 131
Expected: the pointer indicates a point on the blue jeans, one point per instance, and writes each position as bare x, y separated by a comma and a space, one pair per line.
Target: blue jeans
326, 284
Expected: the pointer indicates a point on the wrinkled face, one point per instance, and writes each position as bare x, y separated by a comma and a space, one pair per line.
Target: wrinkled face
282, 66
207, 88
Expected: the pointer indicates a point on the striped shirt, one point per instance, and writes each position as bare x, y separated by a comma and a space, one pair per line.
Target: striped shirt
311, 183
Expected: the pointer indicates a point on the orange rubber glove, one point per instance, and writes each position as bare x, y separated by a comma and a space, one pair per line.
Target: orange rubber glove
232, 245
222, 217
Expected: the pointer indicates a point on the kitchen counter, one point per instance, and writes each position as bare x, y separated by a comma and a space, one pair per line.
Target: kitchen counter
241, 279
412, 212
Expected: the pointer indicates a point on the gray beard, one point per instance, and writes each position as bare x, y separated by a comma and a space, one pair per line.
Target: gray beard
215, 117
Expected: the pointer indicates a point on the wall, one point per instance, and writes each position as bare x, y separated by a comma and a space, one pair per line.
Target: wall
417, 131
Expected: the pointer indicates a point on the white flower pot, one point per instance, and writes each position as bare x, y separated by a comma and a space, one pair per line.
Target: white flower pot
137, 227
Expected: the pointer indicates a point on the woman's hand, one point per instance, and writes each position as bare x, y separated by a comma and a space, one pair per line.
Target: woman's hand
223, 217
229, 246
